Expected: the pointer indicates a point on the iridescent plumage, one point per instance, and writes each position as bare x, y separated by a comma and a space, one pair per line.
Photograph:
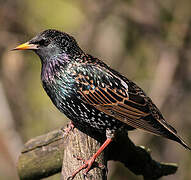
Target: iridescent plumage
90, 93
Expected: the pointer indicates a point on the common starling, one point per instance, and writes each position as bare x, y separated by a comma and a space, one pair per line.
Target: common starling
92, 94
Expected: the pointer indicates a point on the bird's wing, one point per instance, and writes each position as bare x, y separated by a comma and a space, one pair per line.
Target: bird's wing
119, 98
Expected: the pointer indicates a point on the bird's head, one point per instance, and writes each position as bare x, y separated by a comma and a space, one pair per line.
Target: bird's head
52, 43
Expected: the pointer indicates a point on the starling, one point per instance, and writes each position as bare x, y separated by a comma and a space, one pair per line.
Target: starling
91, 94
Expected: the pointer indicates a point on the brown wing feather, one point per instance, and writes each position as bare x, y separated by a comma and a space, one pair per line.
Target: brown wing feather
128, 114
116, 102
120, 98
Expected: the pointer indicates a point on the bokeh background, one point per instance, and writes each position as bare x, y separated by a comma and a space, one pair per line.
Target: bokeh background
148, 41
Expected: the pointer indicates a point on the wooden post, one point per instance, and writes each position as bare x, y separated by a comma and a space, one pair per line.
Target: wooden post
54, 152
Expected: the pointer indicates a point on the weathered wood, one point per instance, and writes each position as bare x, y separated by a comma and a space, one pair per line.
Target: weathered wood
43, 156
83, 146
138, 159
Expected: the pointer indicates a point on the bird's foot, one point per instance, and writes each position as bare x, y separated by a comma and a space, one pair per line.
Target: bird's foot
87, 164
70, 127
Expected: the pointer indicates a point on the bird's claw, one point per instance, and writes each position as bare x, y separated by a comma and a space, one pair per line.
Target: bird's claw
99, 165
87, 164
70, 127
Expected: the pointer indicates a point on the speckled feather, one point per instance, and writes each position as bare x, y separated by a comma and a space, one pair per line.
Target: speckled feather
92, 94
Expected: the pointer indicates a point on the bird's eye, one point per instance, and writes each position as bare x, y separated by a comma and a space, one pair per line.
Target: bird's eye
44, 42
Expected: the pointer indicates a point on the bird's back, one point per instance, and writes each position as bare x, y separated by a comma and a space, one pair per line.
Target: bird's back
90, 93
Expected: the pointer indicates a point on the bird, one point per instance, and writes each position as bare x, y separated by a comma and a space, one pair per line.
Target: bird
92, 94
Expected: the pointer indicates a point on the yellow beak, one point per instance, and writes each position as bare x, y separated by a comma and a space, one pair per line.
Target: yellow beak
26, 46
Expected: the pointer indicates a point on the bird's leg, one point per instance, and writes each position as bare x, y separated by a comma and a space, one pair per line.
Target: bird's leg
87, 164
70, 127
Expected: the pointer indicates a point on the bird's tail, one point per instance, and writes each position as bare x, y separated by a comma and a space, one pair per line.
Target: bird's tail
169, 132
175, 137
182, 142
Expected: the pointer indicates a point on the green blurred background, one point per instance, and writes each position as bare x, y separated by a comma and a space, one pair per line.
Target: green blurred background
147, 41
